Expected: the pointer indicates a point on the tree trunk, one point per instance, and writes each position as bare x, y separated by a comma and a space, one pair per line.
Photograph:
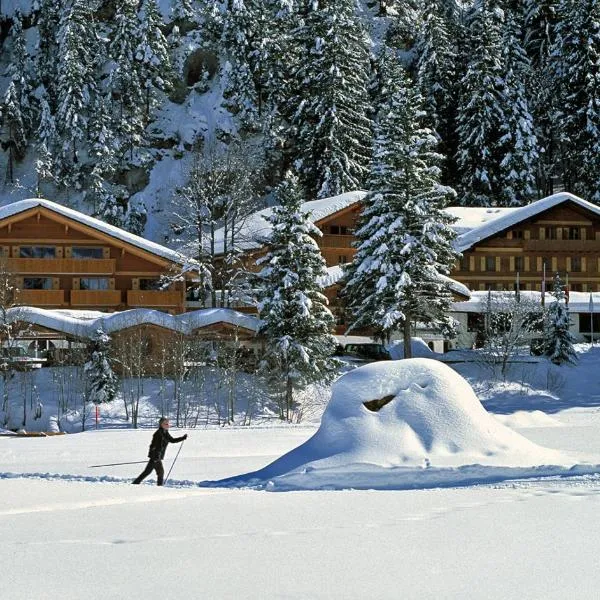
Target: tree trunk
407, 339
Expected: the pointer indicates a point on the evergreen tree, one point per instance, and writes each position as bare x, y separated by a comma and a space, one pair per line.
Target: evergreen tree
79, 55
404, 240
296, 322
576, 59
124, 83
46, 144
479, 112
183, 10
558, 339
436, 74
330, 106
152, 55
136, 218
48, 19
101, 381
518, 145
12, 121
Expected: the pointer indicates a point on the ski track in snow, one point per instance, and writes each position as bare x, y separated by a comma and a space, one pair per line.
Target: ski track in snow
585, 477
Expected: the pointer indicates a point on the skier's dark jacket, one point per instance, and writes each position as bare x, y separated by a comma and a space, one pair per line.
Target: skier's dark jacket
160, 440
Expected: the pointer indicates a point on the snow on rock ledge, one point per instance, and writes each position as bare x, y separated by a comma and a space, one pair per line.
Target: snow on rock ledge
420, 413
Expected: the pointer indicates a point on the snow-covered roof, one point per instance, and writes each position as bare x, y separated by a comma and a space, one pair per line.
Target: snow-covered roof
509, 217
471, 217
579, 302
16, 208
86, 324
257, 229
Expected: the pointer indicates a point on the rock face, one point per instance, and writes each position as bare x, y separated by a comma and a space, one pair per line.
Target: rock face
413, 413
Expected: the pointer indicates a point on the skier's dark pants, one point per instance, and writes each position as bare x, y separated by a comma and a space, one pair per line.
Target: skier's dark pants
153, 465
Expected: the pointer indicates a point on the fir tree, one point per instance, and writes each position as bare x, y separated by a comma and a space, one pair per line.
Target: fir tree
136, 218
404, 241
12, 120
46, 144
48, 19
183, 10
518, 145
330, 106
558, 339
152, 55
79, 55
479, 111
101, 381
296, 322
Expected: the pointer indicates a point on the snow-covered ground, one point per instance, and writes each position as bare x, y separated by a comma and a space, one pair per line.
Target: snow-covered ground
69, 530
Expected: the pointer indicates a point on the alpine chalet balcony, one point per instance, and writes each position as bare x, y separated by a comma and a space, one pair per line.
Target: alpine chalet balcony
152, 298
95, 297
40, 297
58, 266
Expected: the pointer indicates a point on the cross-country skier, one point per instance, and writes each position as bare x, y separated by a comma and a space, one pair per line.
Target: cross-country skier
156, 453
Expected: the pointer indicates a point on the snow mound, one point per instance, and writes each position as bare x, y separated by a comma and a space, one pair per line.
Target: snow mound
523, 419
418, 346
408, 413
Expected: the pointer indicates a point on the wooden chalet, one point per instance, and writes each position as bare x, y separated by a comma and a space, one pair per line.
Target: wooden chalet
527, 245
61, 258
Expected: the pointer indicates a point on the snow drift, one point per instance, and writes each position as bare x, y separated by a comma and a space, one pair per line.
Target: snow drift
408, 413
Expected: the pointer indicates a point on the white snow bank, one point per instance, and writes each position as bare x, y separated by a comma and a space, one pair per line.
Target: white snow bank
87, 324
523, 419
429, 416
418, 346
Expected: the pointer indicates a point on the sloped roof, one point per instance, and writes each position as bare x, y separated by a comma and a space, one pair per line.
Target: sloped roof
21, 206
510, 217
257, 229
85, 324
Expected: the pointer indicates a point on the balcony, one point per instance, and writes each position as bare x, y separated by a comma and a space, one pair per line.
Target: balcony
95, 297
58, 266
335, 241
151, 298
560, 245
40, 297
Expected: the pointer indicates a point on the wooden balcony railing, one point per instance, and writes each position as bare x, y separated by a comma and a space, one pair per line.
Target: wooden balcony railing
56, 266
154, 298
95, 297
40, 297
335, 241
560, 245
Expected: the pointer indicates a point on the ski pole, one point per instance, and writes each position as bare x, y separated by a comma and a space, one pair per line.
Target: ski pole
174, 460
139, 462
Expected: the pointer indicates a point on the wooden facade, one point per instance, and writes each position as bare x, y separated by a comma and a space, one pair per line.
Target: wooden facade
59, 262
564, 239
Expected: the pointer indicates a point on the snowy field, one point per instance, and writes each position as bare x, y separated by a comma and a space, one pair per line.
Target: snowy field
71, 531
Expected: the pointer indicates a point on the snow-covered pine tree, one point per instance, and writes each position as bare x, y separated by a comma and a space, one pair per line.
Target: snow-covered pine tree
436, 76
479, 106
183, 10
12, 121
47, 21
125, 87
330, 107
295, 319
518, 145
404, 239
576, 59
78, 57
101, 381
152, 55
46, 143
558, 339
540, 25
240, 20
20, 71
135, 220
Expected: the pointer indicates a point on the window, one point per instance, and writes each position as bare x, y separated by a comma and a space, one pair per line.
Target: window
342, 259
339, 230
490, 263
84, 252
150, 284
517, 234
519, 263
94, 283
334, 229
551, 233
571, 233
37, 283
37, 252
585, 323
576, 264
